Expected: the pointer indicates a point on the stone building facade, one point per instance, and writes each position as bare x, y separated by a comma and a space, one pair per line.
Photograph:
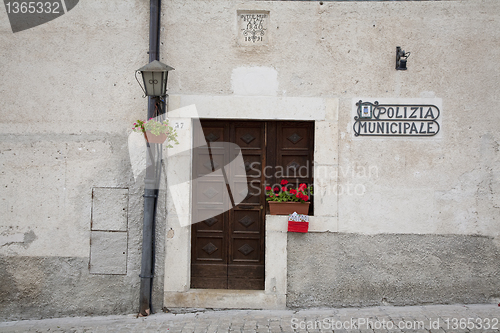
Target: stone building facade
404, 213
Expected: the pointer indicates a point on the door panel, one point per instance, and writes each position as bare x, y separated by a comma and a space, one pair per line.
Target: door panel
245, 277
295, 153
247, 221
246, 255
209, 242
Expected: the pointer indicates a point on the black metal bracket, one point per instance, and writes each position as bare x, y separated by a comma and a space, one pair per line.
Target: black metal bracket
401, 58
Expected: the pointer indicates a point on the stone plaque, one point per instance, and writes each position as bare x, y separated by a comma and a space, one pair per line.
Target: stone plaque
253, 27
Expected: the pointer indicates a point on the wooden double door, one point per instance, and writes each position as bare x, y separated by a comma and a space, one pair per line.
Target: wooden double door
228, 247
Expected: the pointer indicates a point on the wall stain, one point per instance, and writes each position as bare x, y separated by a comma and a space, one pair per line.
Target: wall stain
24, 240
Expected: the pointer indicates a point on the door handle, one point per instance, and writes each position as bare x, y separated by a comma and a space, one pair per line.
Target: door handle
246, 207
251, 207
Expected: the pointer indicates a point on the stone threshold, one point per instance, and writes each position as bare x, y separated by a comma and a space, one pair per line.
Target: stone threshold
224, 299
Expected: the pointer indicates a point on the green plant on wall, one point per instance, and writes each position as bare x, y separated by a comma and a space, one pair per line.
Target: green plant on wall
157, 128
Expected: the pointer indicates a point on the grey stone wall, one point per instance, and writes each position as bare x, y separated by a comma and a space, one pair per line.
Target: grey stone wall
330, 269
41, 287
34, 287
69, 100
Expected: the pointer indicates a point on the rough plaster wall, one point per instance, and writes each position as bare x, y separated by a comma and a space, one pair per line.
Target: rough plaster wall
40, 287
347, 50
424, 186
69, 86
326, 270
67, 103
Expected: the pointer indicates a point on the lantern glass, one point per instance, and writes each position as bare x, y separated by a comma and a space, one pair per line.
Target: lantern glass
154, 83
154, 77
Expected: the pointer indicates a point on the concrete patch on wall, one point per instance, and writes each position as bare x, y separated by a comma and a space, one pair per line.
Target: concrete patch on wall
255, 81
109, 209
328, 269
108, 240
23, 239
255, 107
108, 252
386, 210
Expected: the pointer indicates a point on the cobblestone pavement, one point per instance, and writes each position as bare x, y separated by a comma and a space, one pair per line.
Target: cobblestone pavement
432, 318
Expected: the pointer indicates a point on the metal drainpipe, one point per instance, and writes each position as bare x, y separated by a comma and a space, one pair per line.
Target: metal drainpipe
150, 182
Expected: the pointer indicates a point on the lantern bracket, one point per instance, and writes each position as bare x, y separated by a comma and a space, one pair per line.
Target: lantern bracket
143, 90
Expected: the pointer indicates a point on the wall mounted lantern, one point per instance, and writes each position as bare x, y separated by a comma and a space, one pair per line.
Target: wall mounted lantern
401, 57
154, 76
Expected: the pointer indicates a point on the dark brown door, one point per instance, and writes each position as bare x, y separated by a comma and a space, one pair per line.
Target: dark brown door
228, 248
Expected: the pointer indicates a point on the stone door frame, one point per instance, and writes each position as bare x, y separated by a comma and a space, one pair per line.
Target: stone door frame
184, 112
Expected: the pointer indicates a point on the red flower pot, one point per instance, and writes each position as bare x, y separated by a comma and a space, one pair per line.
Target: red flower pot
294, 226
151, 138
286, 208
